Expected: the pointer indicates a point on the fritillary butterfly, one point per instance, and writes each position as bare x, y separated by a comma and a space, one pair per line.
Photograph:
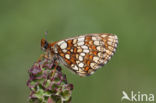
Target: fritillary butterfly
82, 54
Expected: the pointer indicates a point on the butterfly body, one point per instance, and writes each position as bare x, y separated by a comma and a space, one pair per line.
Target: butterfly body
83, 54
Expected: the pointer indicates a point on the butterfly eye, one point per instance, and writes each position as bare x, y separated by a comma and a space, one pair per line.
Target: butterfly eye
44, 44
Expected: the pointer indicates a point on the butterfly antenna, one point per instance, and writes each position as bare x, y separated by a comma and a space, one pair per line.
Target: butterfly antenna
46, 33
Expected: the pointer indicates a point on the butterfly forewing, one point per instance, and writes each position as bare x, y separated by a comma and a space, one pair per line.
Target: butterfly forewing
85, 54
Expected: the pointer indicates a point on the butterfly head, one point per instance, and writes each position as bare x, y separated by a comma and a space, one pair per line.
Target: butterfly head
44, 44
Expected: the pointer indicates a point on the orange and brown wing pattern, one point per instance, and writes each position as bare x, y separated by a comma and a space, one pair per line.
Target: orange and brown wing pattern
85, 54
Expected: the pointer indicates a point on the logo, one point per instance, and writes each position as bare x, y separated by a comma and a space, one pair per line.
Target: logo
137, 97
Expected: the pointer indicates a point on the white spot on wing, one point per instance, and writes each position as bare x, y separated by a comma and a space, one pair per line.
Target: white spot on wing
80, 43
98, 48
74, 41
104, 55
94, 38
82, 54
103, 35
55, 50
109, 43
96, 43
59, 43
84, 47
63, 45
111, 48
92, 65
115, 45
81, 39
96, 59
81, 65
108, 52
79, 50
71, 50
115, 37
114, 50
67, 56
101, 61
110, 39
77, 62
109, 58
81, 72
80, 58
75, 67
99, 54
86, 51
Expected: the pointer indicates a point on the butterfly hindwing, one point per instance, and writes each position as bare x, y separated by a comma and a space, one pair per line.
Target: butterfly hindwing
85, 54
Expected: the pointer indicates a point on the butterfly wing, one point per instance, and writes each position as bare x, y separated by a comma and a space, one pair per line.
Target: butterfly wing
85, 54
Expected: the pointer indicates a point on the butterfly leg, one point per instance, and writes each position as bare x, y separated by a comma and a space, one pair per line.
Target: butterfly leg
41, 57
53, 73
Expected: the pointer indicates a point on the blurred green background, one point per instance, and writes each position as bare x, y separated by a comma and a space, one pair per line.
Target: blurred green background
23, 23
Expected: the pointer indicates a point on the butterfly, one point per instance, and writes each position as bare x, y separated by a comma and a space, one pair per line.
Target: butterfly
82, 54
